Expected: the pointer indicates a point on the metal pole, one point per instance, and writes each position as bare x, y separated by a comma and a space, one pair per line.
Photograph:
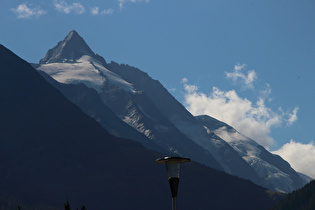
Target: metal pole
174, 203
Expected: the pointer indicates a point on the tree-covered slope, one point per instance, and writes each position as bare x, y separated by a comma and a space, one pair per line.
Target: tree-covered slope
302, 199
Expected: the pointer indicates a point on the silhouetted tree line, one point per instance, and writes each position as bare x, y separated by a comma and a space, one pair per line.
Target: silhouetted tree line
302, 199
67, 206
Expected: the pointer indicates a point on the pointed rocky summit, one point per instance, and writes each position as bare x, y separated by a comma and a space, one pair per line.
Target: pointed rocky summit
70, 49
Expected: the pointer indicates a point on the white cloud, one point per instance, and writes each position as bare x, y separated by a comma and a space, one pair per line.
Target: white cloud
254, 119
237, 74
293, 116
25, 11
68, 8
94, 10
184, 80
189, 88
122, 2
300, 156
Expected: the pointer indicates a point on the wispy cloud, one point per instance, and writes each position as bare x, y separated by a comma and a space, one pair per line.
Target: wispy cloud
66, 8
300, 156
252, 118
107, 11
96, 11
121, 3
293, 116
25, 11
246, 79
266, 92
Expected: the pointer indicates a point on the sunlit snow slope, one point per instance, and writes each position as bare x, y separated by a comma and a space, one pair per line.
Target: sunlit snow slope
85, 70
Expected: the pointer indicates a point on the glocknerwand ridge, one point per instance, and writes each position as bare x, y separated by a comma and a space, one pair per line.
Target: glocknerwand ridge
149, 114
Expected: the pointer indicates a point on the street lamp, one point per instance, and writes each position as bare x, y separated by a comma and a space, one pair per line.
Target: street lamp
173, 172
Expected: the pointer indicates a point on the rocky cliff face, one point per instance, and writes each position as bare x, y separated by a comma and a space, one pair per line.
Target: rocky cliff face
70, 49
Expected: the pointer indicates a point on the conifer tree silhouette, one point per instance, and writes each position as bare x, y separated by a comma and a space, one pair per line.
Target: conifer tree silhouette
66, 205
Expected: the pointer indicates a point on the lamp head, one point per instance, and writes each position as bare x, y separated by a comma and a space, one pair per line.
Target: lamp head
173, 165
173, 171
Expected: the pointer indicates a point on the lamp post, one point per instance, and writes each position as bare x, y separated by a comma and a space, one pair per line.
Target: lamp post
173, 172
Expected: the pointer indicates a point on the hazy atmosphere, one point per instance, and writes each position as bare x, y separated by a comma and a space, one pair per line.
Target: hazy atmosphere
247, 63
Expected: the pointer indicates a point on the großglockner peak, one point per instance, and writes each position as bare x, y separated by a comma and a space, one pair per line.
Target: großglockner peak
72, 61
70, 49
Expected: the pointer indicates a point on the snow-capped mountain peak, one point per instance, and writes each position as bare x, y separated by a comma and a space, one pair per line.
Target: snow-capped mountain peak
73, 47
73, 61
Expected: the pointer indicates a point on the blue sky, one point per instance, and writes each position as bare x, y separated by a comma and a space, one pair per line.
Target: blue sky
249, 63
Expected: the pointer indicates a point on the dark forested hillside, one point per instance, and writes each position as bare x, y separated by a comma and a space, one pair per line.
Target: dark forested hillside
302, 199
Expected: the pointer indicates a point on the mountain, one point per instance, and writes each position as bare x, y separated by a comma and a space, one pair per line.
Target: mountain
183, 121
51, 151
272, 169
130, 105
261, 167
89, 101
146, 106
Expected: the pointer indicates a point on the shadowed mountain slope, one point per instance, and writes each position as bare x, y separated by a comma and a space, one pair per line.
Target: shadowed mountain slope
89, 101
